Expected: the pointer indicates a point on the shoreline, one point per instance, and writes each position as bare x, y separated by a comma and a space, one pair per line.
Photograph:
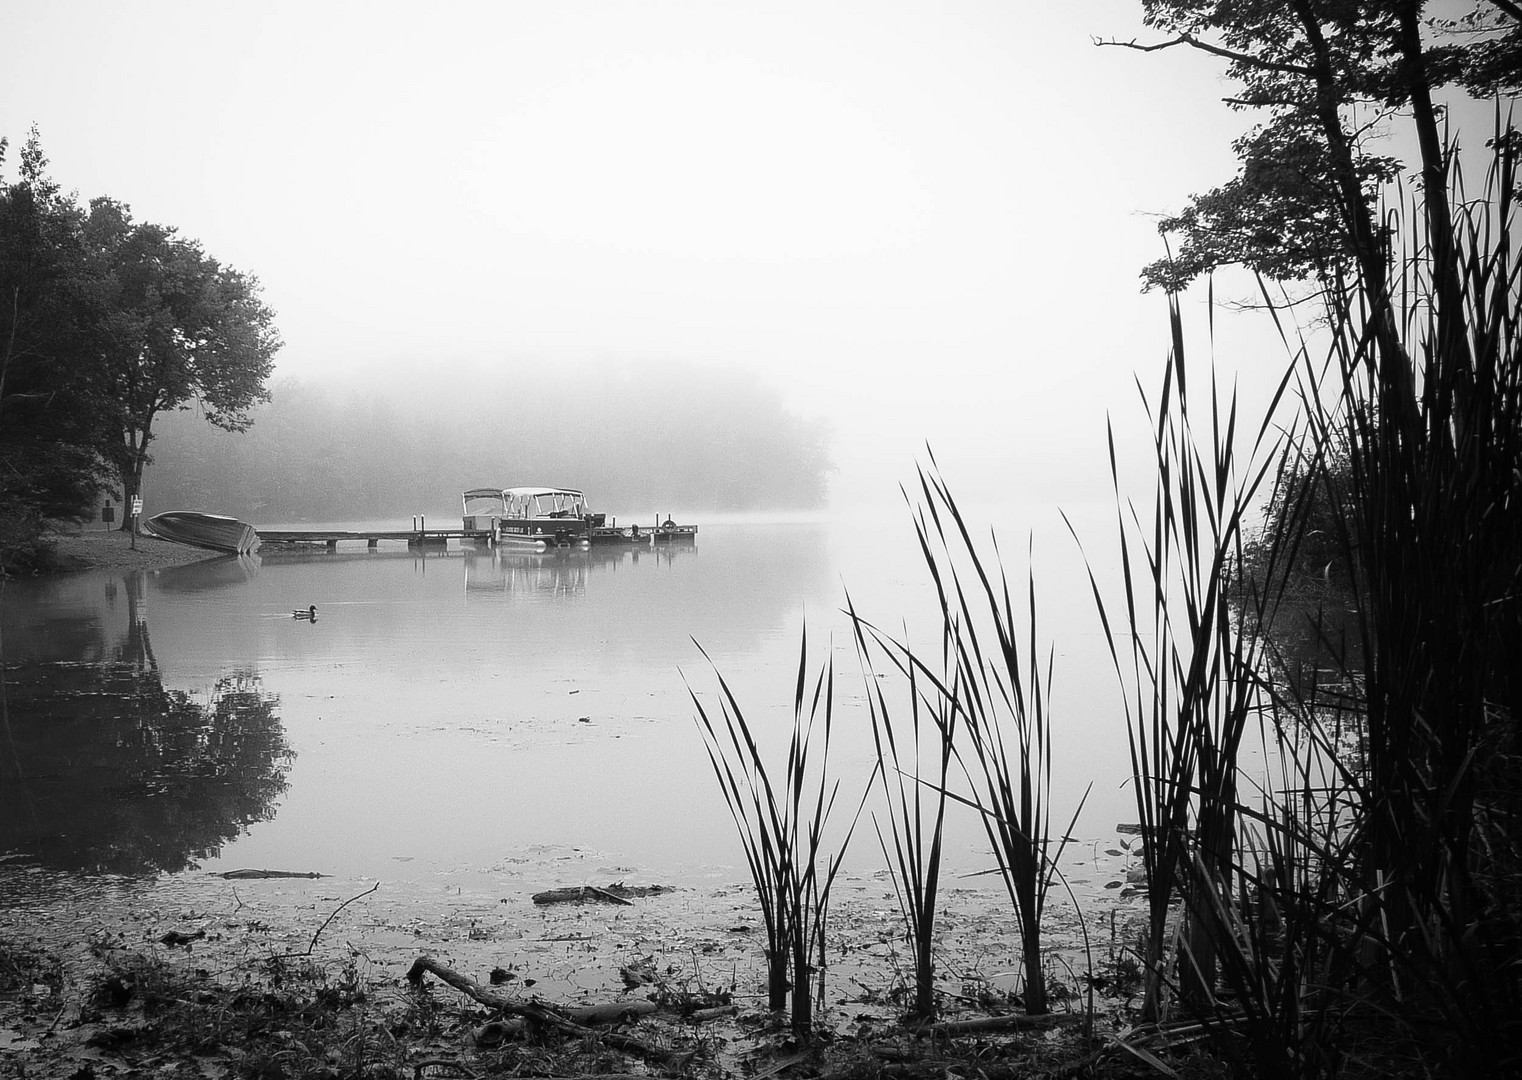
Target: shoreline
84, 549
88, 942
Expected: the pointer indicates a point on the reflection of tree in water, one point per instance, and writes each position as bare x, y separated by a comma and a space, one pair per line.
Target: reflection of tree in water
103, 768
1313, 641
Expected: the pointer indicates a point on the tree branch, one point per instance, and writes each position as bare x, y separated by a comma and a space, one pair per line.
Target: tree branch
1214, 50
1514, 10
1264, 102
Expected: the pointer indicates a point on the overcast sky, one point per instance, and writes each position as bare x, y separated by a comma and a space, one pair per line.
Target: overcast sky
923, 220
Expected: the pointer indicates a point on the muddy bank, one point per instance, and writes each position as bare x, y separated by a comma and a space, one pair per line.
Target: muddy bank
320, 959
98, 548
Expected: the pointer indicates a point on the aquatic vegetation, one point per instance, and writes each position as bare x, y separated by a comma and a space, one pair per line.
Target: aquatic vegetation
916, 803
1357, 901
782, 828
986, 695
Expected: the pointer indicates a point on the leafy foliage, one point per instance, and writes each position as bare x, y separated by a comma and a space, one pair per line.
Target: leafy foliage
1279, 216
51, 411
1487, 48
1327, 72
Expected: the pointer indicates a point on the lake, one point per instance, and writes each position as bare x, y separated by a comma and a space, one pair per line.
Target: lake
451, 715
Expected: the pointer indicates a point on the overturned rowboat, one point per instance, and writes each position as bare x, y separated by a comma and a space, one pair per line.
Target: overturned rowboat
212, 531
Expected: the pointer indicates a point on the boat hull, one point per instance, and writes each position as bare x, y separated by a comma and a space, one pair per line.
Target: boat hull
213, 532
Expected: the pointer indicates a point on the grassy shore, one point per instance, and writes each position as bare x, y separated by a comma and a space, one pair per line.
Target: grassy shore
98, 548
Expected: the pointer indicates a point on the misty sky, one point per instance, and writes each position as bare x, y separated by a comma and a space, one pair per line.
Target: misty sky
924, 220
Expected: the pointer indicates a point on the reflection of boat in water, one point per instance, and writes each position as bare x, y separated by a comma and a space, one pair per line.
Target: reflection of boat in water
212, 531
563, 570
208, 574
537, 518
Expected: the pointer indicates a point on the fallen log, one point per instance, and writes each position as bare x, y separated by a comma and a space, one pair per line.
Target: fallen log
612, 1012
933, 1069
544, 1014
1012, 1022
611, 894
247, 875
495, 1031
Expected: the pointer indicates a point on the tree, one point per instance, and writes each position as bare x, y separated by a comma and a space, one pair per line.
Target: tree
1328, 72
48, 405
180, 328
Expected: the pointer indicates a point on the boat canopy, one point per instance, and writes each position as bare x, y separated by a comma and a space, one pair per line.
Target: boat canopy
525, 502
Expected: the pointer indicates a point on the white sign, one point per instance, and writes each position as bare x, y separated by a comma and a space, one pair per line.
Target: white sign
137, 505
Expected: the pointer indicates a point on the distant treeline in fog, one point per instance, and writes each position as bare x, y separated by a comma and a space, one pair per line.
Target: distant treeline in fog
662, 438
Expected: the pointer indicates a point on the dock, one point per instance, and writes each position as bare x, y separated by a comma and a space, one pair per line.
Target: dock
426, 537
331, 538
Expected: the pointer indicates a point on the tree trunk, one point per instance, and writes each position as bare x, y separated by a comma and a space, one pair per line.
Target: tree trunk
1447, 381
130, 465
1398, 391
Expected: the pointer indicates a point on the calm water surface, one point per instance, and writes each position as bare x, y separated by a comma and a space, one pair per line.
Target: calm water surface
453, 713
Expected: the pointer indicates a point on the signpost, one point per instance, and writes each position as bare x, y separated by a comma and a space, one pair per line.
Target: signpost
137, 508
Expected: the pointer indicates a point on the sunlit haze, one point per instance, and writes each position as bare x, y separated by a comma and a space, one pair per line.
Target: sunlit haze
923, 222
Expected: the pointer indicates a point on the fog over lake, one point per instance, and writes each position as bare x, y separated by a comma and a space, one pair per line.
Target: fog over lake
911, 224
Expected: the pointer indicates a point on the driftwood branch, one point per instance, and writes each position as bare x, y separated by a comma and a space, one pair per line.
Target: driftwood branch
331, 917
552, 1018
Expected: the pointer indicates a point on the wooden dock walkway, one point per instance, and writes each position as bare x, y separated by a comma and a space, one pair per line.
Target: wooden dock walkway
557, 533
412, 537
425, 537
